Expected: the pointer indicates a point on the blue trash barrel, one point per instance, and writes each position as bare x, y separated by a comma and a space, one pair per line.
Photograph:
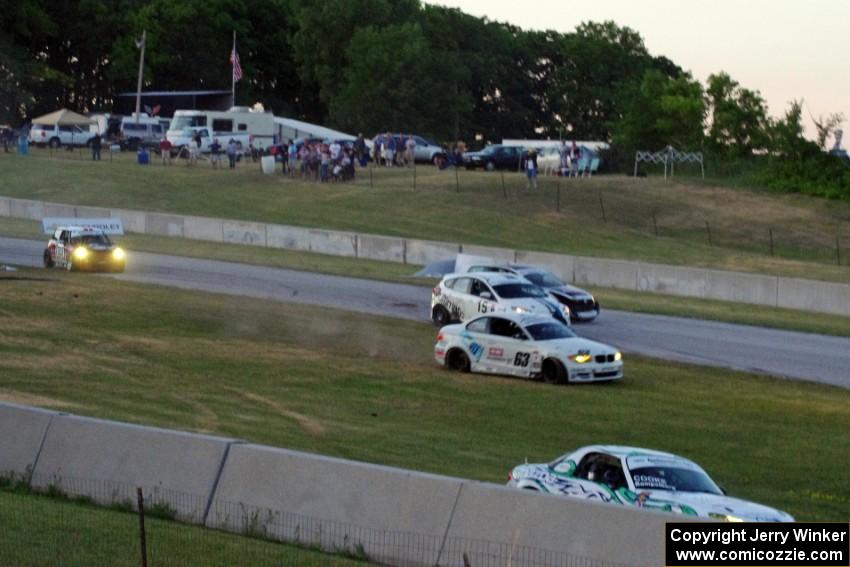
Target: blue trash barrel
144, 157
23, 145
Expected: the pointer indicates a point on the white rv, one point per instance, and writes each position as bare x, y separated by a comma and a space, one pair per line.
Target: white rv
238, 122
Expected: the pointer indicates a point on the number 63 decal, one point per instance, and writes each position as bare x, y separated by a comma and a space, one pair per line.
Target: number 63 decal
521, 359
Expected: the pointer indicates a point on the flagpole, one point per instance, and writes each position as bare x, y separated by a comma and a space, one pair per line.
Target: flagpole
141, 70
233, 72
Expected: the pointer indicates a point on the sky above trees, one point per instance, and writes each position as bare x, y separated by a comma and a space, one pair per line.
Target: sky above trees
786, 50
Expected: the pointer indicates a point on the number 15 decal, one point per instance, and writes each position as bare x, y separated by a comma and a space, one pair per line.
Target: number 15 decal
521, 359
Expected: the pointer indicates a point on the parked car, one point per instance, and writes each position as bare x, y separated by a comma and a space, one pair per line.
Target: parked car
146, 132
640, 478
583, 306
494, 157
460, 297
425, 151
56, 136
87, 249
531, 346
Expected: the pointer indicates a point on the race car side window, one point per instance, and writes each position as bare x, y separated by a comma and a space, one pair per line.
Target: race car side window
505, 328
602, 469
479, 287
479, 325
462, 285
57, 234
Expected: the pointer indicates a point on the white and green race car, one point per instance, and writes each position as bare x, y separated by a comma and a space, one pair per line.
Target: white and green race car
641, 478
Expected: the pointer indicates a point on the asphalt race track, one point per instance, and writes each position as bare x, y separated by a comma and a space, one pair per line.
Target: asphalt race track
789, 354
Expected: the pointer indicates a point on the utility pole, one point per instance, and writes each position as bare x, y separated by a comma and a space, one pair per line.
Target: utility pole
140, 45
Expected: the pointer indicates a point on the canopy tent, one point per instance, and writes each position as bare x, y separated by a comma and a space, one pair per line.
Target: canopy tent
63, 117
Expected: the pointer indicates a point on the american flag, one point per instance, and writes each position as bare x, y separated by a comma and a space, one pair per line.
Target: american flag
237, 68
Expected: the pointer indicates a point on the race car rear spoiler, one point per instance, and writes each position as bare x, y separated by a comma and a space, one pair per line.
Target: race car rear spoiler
107, 226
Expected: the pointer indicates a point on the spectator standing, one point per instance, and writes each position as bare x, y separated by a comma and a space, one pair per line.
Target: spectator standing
389, 149
292, 155
531, 169
215, 154
377, 149
194, 149
575, 151
563, 158
231, 153
165, 151
335, 149
360, 150
95, 147
325, 163
410, 151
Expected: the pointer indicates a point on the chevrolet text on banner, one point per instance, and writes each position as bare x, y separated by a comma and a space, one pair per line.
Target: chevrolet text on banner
107, 225
757, 544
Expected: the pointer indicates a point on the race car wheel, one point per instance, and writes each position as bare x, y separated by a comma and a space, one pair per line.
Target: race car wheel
553, 372
48, 261
440, 315
457, 360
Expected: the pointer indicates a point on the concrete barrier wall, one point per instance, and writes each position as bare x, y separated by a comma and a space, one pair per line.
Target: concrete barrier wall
424, 252
22, 431
80, 455
815, 296
249, 233
134, 221
164, 225
91, 212
528, 521
383, 248
653, 278
200, 228
348, 503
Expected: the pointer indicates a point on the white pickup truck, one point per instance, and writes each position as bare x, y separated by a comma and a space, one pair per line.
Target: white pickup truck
182, 139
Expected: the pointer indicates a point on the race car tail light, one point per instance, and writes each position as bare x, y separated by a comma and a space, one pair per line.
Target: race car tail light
439, 337
510, 476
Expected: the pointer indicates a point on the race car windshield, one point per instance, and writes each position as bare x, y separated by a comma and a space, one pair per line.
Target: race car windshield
92, 239
549, 332
518, 290
673, 479
543, 279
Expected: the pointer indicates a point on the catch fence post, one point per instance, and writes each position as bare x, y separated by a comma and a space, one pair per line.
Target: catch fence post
602, 207
504, 191
708, 230
414, 175
838, 247
142, 543
655, 222
371, 185
457, 180
558, 201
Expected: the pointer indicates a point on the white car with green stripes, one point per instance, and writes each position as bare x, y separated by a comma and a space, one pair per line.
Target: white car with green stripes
641, 478
530, 346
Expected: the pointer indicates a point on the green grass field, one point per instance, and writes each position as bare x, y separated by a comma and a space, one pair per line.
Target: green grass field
390, 271
366, 388
39, 531
473, 207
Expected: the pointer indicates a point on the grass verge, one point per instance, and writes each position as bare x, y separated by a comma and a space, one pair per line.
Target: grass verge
47, 531
366, 388
644, 219
728, 312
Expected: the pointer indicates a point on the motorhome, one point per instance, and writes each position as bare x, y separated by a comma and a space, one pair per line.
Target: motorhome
239, 121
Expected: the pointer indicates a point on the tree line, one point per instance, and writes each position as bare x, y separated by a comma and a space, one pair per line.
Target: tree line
376, 65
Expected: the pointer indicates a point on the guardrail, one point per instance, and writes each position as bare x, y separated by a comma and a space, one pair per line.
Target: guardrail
390, 515
740, 287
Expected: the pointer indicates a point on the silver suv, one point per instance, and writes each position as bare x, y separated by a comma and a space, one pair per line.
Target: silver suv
55, 136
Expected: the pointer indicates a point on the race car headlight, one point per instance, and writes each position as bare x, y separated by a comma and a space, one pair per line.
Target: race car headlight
518, 309
581, 358
81, 253
618, 355
724, 517
118, 254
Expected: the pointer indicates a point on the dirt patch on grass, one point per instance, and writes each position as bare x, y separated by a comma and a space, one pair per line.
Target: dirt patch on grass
27, 399
309, 424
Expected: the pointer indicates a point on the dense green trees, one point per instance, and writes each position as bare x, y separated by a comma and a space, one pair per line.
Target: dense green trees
372, 65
